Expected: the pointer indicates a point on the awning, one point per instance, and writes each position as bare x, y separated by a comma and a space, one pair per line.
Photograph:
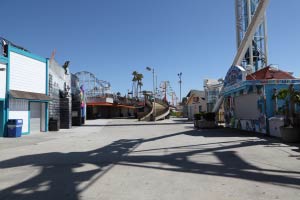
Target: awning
99, 104
126, 106
28, 95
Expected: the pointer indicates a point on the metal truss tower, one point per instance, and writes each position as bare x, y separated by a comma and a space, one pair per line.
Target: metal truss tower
256, 56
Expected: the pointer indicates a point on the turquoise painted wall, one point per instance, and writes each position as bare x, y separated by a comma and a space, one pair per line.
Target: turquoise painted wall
2, 118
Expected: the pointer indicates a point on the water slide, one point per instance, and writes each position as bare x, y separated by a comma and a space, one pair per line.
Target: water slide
147, 115
162, 111
158, 109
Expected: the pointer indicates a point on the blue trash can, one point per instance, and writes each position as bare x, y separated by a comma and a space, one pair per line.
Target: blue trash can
14, 127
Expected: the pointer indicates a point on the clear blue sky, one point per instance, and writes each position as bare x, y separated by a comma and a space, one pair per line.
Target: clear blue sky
112, 38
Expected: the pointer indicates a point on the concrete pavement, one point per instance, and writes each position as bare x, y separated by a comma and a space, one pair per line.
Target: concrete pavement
127, 159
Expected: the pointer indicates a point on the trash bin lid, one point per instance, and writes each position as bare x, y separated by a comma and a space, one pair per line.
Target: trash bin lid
12, 121
15, 121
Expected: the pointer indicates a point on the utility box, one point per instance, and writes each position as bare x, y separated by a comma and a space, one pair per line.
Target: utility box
14, 127
274, 124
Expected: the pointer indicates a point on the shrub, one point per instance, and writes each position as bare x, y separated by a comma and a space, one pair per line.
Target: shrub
210, 116
198, 116
290, 97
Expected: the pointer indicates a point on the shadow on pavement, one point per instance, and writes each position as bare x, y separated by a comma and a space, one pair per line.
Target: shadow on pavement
61, 178
137, 124
58, 178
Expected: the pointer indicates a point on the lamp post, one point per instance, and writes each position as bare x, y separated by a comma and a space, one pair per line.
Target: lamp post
154, 91
179, 75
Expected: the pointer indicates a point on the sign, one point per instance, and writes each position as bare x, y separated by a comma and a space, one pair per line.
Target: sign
234, 75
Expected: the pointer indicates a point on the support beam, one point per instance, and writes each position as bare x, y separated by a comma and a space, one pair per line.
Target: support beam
266, 40
247, 40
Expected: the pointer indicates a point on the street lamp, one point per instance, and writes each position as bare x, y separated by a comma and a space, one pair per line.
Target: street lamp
179, 75
154, 91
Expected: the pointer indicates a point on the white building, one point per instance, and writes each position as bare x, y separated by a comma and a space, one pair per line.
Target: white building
195, 103
23, 89
212, 90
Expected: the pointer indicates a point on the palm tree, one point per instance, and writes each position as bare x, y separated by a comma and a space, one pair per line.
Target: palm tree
134, 80
140, 84
139, 81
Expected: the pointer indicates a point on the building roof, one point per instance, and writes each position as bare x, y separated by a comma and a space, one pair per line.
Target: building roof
196, 92
269, 73
28, 95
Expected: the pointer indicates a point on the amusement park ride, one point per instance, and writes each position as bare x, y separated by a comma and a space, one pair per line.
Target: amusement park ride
251, 53
250, 36
92, 85
166, 90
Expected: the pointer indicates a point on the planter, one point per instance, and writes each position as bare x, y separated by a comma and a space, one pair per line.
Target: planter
206, 124
297, 120
196, 123
290, 134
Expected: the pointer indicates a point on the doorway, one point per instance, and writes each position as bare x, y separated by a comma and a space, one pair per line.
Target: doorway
35, 117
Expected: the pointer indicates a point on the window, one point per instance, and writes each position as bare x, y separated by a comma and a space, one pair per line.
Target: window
200, 108
195, 99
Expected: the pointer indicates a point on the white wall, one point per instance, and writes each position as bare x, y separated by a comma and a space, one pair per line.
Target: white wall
27, 74
2, 81
19, 110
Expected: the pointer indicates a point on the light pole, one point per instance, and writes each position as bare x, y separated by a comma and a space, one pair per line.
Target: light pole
179, 75
154, 91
